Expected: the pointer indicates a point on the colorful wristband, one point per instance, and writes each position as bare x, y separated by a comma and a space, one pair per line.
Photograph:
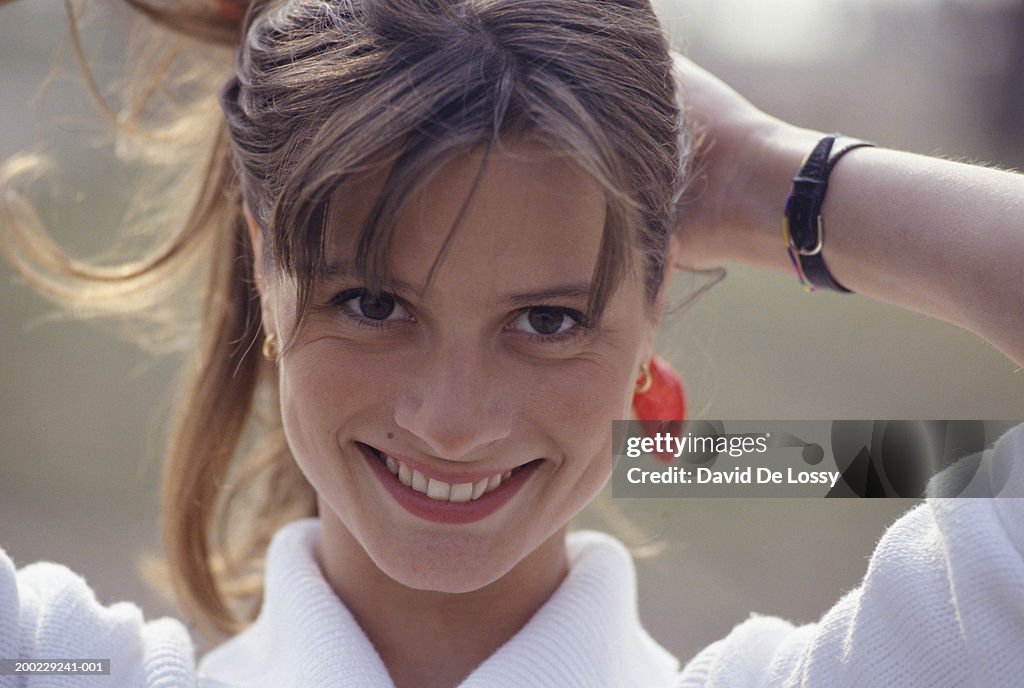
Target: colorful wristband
802, 225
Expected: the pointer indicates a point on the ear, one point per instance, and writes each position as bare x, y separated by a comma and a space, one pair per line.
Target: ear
262, 284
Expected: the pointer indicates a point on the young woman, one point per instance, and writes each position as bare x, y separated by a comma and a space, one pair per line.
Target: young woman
439, 236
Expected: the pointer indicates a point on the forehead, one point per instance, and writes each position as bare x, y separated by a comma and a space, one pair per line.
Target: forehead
533, 216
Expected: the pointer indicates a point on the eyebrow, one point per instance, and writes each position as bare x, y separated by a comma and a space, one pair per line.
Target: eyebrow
339, 269
576, 290
572, 290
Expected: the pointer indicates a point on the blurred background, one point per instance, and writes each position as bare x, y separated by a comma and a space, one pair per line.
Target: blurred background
82, 414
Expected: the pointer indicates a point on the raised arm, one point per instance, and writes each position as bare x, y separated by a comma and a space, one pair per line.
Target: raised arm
937, 237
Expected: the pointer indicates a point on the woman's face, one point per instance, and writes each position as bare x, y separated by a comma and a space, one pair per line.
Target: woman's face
484, 388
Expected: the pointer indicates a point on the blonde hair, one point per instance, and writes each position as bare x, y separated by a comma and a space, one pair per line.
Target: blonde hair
325, 93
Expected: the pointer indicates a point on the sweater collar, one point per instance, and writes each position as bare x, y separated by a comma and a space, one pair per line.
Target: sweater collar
587, 634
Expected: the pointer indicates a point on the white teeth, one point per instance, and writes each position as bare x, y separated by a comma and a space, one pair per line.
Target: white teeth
461, 492
404, 474
419, 482
440, 490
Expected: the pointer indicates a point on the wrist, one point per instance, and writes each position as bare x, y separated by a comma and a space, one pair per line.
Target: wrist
775, 153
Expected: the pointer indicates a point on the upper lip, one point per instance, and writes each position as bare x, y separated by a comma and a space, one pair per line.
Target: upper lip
429, 471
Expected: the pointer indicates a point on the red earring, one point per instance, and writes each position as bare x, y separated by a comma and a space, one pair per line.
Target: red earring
232, 10
659, 399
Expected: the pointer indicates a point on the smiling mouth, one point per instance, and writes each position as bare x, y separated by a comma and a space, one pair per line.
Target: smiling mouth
438, 489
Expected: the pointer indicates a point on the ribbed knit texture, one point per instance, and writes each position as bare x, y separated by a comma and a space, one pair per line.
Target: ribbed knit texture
941, 606
588, 634
49, 612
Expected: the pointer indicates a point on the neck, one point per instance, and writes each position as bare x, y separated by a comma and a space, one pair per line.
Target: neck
431, 639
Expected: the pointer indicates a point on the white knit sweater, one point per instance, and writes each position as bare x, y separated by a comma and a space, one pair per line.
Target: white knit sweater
587, 634
942, 604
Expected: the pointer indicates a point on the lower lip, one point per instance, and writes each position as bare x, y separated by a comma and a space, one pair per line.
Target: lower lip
451, 513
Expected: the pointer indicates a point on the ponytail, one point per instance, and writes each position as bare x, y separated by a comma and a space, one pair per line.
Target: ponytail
218, 517
229, 481
216, 23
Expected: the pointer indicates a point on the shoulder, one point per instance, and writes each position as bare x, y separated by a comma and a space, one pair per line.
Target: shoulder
941, 604
48, 611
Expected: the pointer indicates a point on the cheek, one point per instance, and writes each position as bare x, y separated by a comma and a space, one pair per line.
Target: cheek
328, 372
324, 391
327, 389
578, 415
577, 405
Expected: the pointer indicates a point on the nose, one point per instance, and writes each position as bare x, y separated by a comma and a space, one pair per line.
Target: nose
455, 405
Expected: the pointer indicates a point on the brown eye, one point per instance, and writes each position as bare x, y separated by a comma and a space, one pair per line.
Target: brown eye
548, 320
545, 320
361, 304
376, 306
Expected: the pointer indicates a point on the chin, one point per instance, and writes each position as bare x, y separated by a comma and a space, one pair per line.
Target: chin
449, 565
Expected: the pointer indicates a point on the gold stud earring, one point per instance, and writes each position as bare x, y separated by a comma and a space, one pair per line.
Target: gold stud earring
646, 379
270, 349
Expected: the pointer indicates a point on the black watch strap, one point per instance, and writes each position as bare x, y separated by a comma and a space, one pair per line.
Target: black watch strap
804, 225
